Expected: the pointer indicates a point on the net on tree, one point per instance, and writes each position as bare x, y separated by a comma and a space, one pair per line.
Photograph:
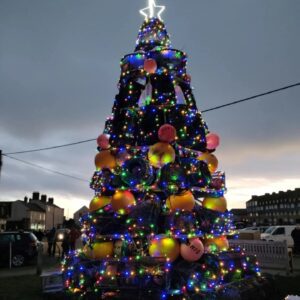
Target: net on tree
158, 223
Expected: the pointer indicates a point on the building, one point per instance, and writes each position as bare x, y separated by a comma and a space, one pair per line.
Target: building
31, 214
239, 215
79, 213
281, 208
54, 214
5, 213
22, 215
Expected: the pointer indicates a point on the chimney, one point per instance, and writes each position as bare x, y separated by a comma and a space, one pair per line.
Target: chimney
35, 196
25, 200
44, 198
51, 200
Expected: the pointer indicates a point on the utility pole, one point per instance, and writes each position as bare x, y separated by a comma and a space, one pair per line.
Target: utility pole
53, 216
0, 161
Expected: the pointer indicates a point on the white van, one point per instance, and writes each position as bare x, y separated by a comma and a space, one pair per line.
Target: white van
279, 234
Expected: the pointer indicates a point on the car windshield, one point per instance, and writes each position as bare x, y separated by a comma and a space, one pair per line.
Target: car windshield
270, 229
32, 237
243, 229
249, 228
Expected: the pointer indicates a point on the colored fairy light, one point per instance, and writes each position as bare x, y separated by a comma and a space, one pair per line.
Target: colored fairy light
155, 89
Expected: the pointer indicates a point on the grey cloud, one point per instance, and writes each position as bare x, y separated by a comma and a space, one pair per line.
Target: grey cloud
59, 68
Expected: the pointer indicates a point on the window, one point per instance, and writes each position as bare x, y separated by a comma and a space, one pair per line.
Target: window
278, 231
32, 237
269, 230
18, 237
6, 238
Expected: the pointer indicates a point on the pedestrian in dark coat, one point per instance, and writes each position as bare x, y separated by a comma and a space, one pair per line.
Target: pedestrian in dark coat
296, 237
65, 244
39, 234
51, 241
74, 235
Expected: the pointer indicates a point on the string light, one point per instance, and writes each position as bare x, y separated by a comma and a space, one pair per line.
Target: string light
156, 183
150, 11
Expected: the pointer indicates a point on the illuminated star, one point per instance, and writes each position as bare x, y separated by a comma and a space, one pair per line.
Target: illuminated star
152, 10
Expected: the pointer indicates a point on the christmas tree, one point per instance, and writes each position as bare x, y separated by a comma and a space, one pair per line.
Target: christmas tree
158, 223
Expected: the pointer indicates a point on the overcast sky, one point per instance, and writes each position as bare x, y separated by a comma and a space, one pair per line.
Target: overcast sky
59, 68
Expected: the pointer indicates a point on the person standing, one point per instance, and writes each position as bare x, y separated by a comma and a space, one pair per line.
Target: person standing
296, 237
39, 234
65, 244
51, 241
74, 235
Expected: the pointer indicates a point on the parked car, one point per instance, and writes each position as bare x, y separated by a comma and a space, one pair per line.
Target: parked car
252, 229
24, 247
279, 234
239, 225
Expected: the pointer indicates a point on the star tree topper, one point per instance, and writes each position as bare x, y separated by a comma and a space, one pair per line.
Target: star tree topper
152, 10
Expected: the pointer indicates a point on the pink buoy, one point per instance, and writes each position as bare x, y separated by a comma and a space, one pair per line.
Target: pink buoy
192, 250
213, 141
150, 66
103, 141
167, 133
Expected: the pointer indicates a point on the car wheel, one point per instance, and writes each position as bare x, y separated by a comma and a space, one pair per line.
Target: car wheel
18, 260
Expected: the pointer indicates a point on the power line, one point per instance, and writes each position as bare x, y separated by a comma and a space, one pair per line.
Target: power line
50, 148
90, 140
45, 169
203, 111
252, 97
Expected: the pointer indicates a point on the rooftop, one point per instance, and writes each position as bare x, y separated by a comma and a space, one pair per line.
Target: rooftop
274, 195
34, 207
31, 206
